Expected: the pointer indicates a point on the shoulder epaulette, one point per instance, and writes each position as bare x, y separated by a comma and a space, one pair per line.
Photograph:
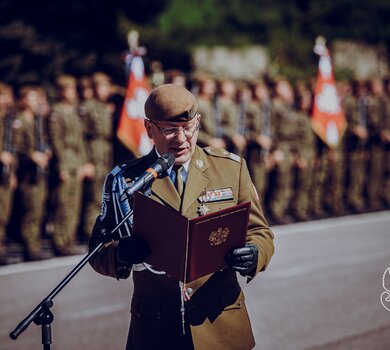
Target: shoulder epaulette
219, 152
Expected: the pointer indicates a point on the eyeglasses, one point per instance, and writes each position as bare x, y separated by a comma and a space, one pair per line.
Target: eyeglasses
171, 132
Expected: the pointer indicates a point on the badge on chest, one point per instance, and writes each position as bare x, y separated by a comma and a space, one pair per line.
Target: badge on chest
212, 196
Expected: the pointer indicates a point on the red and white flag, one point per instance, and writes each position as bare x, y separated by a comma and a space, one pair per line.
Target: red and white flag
328, 119
131, 130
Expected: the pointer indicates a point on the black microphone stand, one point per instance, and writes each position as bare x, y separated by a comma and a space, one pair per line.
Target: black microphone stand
41, 315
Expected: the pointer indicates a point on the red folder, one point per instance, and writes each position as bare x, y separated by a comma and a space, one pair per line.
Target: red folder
189, 249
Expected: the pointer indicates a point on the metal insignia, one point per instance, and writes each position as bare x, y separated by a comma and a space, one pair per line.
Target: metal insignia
218, 237
235, 157
203, 209
199, 163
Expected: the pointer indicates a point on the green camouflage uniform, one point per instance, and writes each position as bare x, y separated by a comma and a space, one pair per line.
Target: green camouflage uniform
355, 151
327, 189
6, 192
375, 124
284, 120
305, 150
32, 191
209, 128
98, 124
67, 137
228, 111
386, 192
257, 125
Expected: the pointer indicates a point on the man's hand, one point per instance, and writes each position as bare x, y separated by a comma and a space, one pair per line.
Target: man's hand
243, 260
132, 250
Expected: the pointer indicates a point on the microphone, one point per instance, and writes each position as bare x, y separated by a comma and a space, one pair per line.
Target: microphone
157, 169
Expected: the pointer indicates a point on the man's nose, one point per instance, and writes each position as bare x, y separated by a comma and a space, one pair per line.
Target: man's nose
181, 136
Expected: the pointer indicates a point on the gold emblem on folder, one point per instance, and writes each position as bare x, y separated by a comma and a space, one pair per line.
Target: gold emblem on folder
218, 237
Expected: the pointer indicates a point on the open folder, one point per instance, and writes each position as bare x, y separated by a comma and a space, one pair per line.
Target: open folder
189, 249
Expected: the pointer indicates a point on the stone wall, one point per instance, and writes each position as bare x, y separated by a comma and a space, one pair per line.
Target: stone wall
359, 60
240, 63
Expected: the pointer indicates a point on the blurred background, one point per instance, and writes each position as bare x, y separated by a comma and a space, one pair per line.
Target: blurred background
40, 40
65, 90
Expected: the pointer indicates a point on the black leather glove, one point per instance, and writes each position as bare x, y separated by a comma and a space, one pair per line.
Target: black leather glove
243, 260
132, 250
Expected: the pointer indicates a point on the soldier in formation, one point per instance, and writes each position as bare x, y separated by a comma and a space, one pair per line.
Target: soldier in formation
70, 158
9, 126
97, 118
68, 145
34, 155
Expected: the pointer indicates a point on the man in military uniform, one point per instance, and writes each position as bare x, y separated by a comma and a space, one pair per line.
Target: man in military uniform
67, 139
85, 88
34, 154
260, 133
386, 141
356, 112
210, 133
175, 76
304, 155
97, 117
216, 316
284, 119
229, 116
8, 182
375, 125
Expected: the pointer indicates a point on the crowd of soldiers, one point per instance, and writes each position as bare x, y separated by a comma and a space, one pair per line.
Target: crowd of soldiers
54, 158
55, 153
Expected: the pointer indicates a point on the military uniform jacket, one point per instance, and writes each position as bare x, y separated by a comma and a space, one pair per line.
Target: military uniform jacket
376, 118
285, 125
98, 125
229, 116
11, 132
208, 124
27, 144
67, 137
216, 310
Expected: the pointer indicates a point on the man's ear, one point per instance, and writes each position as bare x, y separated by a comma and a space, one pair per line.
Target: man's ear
148, 128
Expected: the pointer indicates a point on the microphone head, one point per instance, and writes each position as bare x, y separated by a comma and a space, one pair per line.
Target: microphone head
166, 161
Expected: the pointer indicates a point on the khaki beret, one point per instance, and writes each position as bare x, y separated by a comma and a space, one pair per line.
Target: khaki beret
170, 102
66, 81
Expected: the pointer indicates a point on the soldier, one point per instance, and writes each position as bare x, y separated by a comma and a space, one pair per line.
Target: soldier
375, 124
210, 133
229, 116
85, 88
215, 315
386, 141
356, 112
67, 138
284, 119
97, 117
175, 76
9, 126
157, 73
34, 154
259, 126
305, 155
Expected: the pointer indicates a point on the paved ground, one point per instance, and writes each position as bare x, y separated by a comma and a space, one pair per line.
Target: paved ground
322, 291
